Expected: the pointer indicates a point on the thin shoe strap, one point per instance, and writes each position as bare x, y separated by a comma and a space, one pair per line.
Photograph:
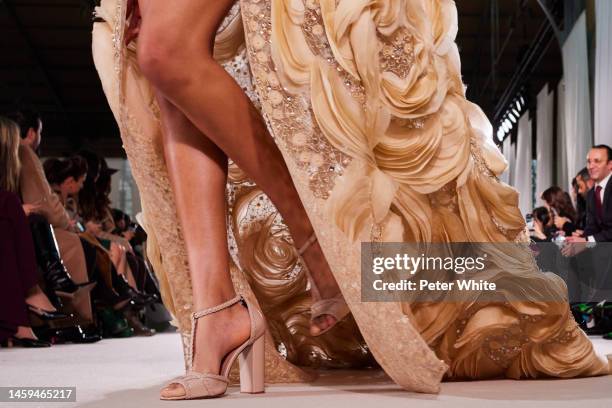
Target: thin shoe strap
202, 313
307, 244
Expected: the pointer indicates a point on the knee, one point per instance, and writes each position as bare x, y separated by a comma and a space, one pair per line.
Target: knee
156, 61
167, 61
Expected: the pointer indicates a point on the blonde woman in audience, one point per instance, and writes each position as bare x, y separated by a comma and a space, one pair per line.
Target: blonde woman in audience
19, 290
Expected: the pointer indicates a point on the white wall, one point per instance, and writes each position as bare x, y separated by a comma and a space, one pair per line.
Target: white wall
124, 193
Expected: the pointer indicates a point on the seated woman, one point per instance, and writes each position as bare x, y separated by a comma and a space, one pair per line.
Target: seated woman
66, 177
66, 266
560, 203
542, 223
116, 284
20, 293
94, 210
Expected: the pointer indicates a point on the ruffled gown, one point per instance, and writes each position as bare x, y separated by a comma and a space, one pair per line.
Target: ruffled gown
365, 101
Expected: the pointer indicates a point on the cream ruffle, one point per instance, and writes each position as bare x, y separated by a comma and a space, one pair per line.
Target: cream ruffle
411, 134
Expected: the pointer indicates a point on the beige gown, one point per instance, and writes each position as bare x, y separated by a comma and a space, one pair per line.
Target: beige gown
366, 102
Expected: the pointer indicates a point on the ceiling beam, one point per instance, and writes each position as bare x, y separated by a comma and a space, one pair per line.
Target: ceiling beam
551, 20
524, 70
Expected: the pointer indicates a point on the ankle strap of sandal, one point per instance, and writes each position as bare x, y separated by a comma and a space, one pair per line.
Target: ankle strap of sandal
215, 309
197, 315
307, 244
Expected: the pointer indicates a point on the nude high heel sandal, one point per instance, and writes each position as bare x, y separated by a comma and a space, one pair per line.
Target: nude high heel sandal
335, 306
251, 353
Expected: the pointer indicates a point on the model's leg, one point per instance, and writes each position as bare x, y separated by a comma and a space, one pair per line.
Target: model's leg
218, 107
198, 174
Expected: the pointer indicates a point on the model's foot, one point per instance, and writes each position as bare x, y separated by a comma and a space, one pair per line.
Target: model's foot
216, 335
38, 299
326, 286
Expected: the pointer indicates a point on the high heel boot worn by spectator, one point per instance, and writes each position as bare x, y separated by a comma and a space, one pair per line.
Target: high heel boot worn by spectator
138, 299
56, 276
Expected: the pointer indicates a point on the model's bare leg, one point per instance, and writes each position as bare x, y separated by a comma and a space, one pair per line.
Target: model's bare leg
175, 53
198, 174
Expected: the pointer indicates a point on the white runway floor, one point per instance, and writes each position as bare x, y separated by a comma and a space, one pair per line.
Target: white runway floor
122, 373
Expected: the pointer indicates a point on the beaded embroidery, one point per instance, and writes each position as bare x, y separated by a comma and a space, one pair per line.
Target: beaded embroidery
505, 347
397, 53
316, 38
299, 132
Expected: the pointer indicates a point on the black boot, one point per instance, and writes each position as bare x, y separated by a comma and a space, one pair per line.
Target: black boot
134, 320
107, 297
138, 299
56, 276
77, 334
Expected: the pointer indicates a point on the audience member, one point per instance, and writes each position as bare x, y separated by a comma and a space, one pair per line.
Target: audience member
542, 223
560, 204
584, 184
67, 177
21, 298
598, 226
77, 244
59, 249
35, 190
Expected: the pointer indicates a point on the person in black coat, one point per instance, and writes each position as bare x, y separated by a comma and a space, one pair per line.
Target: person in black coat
599, 199
598, 227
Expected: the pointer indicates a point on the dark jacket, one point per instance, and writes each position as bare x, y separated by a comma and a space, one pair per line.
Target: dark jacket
600, 229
